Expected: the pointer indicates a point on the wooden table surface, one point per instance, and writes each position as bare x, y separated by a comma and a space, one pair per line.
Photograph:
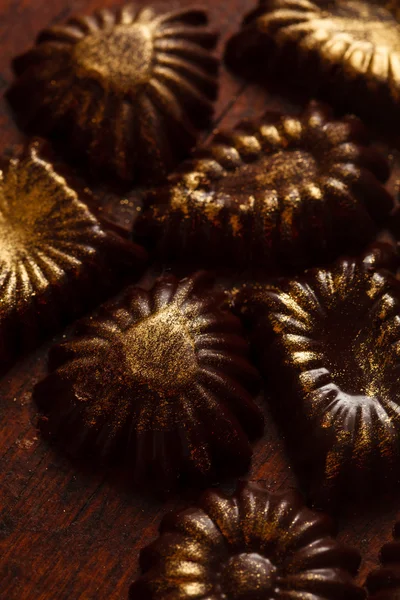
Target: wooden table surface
67, 533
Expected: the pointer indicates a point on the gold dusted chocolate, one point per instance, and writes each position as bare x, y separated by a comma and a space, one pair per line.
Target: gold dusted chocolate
254, 545
127, 89
328, 344
54, 254
349, 48
159, 380
283, 189
384, 583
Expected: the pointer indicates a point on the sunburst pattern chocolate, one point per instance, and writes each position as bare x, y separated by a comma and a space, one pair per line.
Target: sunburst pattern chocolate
128, 88
353, 45
54, 254
159, 380
283, 189
254, 545
384, 583
329, 346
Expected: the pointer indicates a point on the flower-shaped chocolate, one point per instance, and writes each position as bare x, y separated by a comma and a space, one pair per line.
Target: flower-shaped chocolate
127, 88
159, 379
283, 189
352, 45
54, 254
255, 545
384, 583
329, 347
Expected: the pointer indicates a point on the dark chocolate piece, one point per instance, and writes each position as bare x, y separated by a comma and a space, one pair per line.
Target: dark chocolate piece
54, 254
160, 380
328, 344
282, 190
384, 583
255, 545
349, 49
127, 89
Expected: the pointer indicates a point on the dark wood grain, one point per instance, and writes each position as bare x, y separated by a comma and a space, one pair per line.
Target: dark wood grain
67, 532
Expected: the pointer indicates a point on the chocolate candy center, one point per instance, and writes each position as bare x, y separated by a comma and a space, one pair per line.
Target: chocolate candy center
160, 351
346, 340
346, 371
295, 168
11, 240
122, 57
248, 576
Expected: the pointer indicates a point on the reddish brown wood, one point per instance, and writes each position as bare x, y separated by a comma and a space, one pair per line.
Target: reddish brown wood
67, 533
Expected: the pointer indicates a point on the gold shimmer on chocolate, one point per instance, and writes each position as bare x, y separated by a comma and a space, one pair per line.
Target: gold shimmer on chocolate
159, 380
328, 345
54, 254
279, 190
254, 545
128, 89
353, 45
384, 583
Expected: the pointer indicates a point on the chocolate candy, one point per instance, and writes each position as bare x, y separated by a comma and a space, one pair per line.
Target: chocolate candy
349, 49
159, 380
328, 344
284, 190
384, 583
126, 89
252, 546
55, 256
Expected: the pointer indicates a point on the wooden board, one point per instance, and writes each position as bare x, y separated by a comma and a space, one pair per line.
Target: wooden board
66, 533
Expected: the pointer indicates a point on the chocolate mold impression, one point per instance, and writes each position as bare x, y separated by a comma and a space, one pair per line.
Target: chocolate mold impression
350, 49
125, 89
279, 191
328, 343
159, 381
252, 546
